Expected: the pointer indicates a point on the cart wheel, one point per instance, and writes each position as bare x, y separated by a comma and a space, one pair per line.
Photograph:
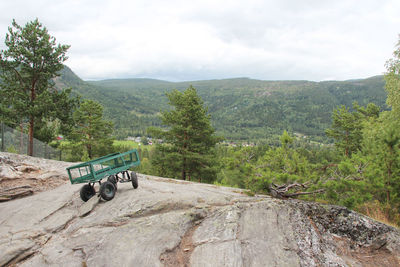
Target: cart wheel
107, 190
87, 191
134, 180
113, 180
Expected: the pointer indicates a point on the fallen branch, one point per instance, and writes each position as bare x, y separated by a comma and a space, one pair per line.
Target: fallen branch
282, 191
306, 193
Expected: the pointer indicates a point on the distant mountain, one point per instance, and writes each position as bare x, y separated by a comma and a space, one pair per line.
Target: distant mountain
240, 108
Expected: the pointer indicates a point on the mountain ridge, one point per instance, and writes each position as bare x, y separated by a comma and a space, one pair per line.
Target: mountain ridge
225, 79
240, 108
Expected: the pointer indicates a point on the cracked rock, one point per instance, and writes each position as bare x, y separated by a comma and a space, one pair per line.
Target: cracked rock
169, 222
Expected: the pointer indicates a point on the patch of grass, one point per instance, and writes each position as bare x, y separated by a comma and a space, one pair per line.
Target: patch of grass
380, 212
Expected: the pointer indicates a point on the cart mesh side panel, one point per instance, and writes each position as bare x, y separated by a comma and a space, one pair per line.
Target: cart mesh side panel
82, 173
107, 165
130, 158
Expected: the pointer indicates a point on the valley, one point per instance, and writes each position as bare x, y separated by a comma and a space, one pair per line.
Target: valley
241, 109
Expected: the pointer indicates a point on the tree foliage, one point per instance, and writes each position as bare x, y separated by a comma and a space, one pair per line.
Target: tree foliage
347, 126
91, 131
188, 142
28, 65
392, 78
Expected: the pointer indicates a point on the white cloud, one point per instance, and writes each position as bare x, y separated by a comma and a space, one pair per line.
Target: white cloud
185, 40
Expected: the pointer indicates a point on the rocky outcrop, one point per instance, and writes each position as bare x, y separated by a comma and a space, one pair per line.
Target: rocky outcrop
21, 176
167, 222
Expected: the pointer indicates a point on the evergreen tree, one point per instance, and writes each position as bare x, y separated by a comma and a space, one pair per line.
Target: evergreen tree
392, 78
187, 151
381, 151
382, 138
286, 139
30, 61
387, 138
346, 130
91, 130
237, 165
347, 126
279, 166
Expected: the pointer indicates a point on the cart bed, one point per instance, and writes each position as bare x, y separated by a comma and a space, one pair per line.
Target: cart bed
96, 169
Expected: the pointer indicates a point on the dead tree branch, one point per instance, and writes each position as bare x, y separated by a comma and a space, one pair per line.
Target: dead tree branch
282, 191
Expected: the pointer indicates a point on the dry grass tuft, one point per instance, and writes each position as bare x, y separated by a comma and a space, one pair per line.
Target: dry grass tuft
381, 212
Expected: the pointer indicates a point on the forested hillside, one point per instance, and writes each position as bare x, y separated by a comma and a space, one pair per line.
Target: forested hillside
241, 108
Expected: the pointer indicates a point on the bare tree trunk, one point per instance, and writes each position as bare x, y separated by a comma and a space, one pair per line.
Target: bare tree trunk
21, 139
184, 169
31, 120
389, 174
30, 141
89, 146
184, 157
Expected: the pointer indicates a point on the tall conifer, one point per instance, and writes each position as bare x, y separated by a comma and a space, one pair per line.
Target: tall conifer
187, 149
29, 63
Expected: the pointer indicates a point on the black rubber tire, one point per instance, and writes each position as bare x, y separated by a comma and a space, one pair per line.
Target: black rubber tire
87, 192
107, 190
113, 180
134, 180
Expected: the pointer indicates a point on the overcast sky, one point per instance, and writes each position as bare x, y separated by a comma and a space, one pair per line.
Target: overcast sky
211, 39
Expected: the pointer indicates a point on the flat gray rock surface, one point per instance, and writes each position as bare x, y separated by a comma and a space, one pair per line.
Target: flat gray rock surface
168, 222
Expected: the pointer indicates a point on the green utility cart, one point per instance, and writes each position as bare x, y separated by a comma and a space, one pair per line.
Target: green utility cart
114, 166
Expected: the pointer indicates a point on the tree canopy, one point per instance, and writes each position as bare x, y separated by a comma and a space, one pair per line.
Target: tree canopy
392, 78
28, 65
347, 126
91, 131
188, 141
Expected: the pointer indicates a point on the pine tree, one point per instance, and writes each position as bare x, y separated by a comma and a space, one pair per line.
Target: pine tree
347, 126
187, 149
91, 130
392, 78
346, 130
382, 137
31, 60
